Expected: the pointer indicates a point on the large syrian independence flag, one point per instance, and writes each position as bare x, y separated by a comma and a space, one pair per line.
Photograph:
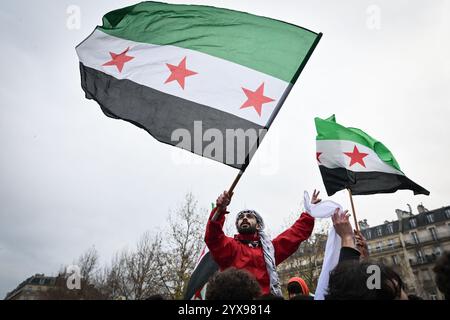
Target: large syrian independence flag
187, 73
350, 158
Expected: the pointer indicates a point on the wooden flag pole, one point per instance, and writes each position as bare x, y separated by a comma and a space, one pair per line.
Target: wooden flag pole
233, 185
273, 115
353, 209
235, 182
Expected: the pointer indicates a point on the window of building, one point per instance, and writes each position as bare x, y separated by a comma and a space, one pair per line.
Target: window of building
379, 232
415, 237
430, 218
437, 251
395, 259
391, 243
433, 233
413, 223
390, 228
419, 255
447, 213
368, 234
379, 246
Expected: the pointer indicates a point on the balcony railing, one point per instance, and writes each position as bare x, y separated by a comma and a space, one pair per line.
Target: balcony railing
427, 240
387, 248
424, 260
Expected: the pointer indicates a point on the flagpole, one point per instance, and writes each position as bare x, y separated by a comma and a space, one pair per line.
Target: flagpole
274, 114
236, 180
353, 209
230, 190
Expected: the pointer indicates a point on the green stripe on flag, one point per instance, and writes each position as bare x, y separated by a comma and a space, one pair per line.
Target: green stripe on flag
328, 129
270, 46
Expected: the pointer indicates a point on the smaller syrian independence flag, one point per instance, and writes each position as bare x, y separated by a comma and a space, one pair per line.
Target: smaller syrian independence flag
196, 77
350, 158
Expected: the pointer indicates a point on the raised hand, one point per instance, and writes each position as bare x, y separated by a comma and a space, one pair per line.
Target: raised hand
315, 197
343, 227
224, 200
361, 244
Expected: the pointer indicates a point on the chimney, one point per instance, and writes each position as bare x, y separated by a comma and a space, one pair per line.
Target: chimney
363, 224
421, 208
403, 214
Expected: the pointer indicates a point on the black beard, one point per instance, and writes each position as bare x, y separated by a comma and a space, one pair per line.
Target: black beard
248, 230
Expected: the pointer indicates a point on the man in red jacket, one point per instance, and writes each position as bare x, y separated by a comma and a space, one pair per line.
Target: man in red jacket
251, 249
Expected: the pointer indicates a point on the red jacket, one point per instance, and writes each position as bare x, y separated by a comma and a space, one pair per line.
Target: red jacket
230, 252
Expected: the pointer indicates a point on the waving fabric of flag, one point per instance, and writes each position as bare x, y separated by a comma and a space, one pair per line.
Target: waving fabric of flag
205, 268
187, 73
350, 158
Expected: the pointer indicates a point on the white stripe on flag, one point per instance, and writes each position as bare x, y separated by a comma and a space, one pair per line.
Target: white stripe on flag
333, 156
202, 254
218, 82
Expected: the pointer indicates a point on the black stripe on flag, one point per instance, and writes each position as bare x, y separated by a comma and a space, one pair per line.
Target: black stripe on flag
204, 270
366, 182
160, 114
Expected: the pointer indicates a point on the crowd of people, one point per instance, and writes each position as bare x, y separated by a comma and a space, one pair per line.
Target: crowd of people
248, 261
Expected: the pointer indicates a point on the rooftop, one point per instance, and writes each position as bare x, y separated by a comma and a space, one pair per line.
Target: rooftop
408, 221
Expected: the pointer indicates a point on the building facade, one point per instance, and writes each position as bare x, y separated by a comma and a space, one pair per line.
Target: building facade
34, 288
410, 245
41, 287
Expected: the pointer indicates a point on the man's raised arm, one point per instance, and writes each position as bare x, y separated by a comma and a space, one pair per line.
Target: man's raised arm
288, 241
218, 243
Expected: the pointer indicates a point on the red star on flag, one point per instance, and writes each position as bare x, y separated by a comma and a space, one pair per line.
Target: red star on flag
317, 156
198, 294
119, 60
356, 157
179, 72
256, 99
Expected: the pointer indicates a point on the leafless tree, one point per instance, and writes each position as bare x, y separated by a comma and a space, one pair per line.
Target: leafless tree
135, 274
112, 279
159, 264
307, 261
88, 264
183, 243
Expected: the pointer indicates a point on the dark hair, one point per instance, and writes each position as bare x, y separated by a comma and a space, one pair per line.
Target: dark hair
269, 297
232, 284
348, 281
294, 288
442, 270
301, 297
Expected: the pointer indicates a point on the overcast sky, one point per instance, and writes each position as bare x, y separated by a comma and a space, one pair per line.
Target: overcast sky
72, 178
